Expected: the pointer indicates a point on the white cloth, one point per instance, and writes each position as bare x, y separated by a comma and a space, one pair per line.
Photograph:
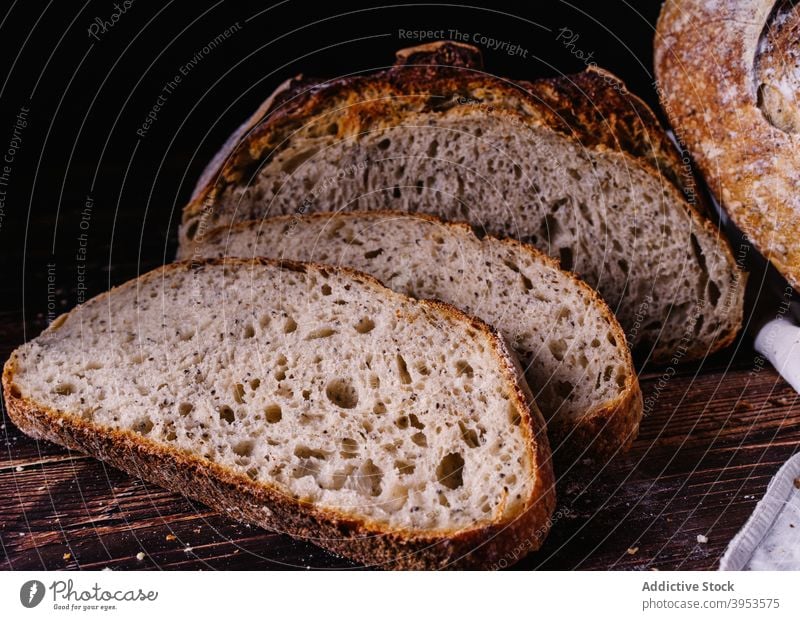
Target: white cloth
770, 540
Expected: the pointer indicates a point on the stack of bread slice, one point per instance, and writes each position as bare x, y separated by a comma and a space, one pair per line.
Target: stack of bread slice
361, 343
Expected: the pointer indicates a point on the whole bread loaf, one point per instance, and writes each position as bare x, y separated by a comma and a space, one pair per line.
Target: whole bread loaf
729, 75
571, 347
399, 433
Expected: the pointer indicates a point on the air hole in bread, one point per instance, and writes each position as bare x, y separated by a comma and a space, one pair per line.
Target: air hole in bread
238, 393
404, 467
243, 448
469, 435
64, 389
191, 230
255, 383
370, 477
422, 368
326, 290
143, 426
342, 393
273, 413
384, 144
402, 421
185, 409
463, 368
379, 408
349, 448
323, 332
402, 369
304, 452
433, 148
249, 332
226, 414
450, 470
365, 325
558, 347
713, 293
289, 326
373, 253
420, 439
414, 421
513, 415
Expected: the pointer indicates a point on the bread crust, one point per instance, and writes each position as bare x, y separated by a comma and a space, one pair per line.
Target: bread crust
705, 54
593, 108
606, 429
490, 545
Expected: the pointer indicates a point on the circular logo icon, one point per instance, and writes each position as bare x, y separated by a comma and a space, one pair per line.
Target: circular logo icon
31, 593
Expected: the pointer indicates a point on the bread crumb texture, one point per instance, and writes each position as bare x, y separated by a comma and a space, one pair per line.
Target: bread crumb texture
311, 380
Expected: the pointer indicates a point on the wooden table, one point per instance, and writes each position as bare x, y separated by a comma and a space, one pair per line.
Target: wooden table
716, 434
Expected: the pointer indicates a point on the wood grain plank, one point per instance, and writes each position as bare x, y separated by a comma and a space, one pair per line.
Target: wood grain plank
705, 454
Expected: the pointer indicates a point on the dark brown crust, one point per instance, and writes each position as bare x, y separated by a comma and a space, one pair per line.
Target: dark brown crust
594, 108
491, 545
704, 60
605, 430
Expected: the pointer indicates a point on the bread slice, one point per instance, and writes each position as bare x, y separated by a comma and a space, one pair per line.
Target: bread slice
302, 398
577, 166
729, 81
574, 353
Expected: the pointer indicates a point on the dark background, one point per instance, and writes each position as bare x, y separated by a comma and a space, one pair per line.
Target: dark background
88, 97
722, 428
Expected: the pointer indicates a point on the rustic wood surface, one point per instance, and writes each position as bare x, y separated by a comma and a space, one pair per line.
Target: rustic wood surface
716, 434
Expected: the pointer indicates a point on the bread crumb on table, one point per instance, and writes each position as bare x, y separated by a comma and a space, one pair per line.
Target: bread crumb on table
140, 556
633, 550
67, 556
702, 539
170, 537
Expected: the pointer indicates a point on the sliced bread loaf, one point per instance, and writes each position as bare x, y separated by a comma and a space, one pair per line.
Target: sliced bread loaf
572, 348
306, 399
577, 166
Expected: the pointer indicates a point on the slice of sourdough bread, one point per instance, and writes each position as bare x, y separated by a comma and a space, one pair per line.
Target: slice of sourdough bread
572, 348
302, 398
577, 166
